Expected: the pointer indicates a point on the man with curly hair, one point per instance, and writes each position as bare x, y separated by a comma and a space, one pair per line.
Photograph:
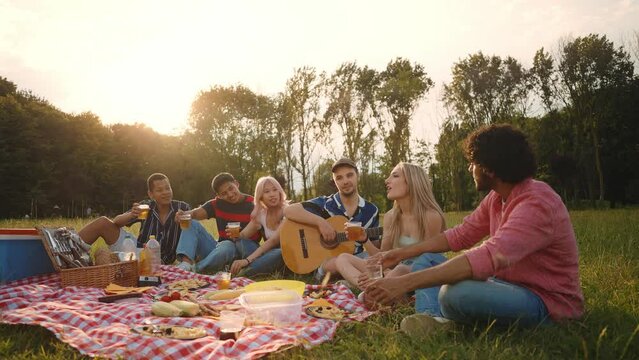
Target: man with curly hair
527, 270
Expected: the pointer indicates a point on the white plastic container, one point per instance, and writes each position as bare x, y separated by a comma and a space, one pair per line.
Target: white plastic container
278, 308
129, 248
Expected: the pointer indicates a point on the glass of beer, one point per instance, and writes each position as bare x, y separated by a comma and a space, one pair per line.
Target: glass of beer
185, 220
144, 211
354, 230
224, 280
234, 230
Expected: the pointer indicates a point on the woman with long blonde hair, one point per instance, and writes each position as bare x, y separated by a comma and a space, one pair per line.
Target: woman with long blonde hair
415, 216
268, 213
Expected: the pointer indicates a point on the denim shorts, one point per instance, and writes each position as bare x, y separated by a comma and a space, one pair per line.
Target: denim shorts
409, 262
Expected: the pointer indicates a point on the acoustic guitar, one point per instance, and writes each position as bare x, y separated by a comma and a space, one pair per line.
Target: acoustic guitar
304, 249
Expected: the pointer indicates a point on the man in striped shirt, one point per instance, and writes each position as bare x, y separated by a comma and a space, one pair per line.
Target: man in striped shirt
229, 205
346, 202
160, 222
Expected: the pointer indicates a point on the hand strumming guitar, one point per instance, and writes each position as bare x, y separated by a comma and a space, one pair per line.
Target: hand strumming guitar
327, 231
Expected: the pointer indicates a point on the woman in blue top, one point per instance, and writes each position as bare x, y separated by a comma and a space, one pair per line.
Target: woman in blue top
415, 216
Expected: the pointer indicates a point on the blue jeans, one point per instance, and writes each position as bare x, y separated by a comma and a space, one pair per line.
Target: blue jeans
426, 299
470, 301
196, 242
268, 263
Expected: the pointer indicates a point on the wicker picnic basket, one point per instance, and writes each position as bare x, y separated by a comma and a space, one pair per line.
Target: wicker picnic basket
124, 273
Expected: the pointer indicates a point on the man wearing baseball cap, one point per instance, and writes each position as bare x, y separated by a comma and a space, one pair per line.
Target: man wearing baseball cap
346, 202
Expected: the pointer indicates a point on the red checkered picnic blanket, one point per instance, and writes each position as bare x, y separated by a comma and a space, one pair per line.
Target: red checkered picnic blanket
75, 316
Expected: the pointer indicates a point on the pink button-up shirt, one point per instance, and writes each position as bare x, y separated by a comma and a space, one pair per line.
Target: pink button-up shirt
531, 244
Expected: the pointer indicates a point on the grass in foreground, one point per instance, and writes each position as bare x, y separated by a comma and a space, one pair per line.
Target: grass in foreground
609, 264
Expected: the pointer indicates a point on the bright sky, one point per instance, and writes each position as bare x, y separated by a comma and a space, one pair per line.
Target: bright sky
145, 61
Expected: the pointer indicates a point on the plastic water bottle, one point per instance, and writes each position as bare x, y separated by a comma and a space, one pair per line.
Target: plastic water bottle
153, 252
129, 247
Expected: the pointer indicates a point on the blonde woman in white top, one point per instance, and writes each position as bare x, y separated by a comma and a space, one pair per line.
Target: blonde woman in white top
270, 201
415, 216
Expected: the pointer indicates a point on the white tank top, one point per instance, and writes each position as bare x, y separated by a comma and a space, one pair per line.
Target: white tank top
405, 241
268, 233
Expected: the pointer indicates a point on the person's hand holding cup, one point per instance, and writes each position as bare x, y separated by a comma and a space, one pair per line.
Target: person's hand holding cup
233, 230
143, 211
374, 268
355, 231
185, 220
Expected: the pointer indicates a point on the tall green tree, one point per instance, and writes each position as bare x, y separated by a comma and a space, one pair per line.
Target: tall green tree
236, 132
301, 110
451, 181
486, 89
543, 77
7, 87
403, 85
590, 67
351, 106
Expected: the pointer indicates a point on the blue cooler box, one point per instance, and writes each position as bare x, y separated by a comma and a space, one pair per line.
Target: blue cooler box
22, 254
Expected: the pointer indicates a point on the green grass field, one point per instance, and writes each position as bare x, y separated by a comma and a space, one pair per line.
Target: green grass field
609, 262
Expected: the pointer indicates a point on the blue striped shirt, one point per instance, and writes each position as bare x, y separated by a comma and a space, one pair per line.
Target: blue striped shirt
326, 206
167, 234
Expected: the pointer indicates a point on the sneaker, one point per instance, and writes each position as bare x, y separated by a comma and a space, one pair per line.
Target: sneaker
185, 266
422, 325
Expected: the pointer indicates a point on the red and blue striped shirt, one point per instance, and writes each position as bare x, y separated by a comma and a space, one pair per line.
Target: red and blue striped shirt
225, 212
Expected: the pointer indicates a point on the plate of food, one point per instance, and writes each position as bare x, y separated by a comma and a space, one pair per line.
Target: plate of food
170, 331
170, 295
323, 309
330, 312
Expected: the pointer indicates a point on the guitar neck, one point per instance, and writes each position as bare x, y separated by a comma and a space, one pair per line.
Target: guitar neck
370, 233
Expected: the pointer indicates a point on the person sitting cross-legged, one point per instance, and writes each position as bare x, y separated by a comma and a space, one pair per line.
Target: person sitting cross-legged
525, 273
415, 217
346, 202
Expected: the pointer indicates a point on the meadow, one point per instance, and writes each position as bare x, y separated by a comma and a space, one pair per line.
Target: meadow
609, 265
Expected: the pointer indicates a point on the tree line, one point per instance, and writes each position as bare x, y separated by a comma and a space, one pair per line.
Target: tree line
578, 106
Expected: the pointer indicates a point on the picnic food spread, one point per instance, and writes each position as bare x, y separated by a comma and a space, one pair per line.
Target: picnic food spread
190, 284
171, 314
170, 331
325, 310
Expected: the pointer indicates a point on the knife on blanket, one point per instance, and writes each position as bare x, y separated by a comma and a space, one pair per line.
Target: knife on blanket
112, 298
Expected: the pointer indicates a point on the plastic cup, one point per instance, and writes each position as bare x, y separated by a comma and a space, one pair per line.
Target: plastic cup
231, 323
144, 211
374, 270
185, 221
223, 280
234, 229
354, 230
